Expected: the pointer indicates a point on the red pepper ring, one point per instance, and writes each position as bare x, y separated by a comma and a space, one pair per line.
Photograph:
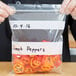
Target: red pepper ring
28, 69
18, 68
46, 68
25, 59
35, 63
47, 63
56, 58
57, 61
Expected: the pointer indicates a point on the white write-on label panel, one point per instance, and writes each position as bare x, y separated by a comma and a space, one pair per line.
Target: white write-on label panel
37, 24
37, 48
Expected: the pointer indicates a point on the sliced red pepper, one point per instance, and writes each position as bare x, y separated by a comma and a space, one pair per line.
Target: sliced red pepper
57, 60
46, 68
35, 63
47, 63
28, 69
25, 59
18, 67
58, 63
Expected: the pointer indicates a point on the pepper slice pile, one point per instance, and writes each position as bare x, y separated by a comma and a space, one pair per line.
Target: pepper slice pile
35, 63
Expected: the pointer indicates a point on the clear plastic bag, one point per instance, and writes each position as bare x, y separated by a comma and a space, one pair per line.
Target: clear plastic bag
36, 38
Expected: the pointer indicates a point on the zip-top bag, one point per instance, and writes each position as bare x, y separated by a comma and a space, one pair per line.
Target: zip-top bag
37, 38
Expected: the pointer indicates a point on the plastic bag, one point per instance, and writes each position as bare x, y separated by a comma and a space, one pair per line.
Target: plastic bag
36, 38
